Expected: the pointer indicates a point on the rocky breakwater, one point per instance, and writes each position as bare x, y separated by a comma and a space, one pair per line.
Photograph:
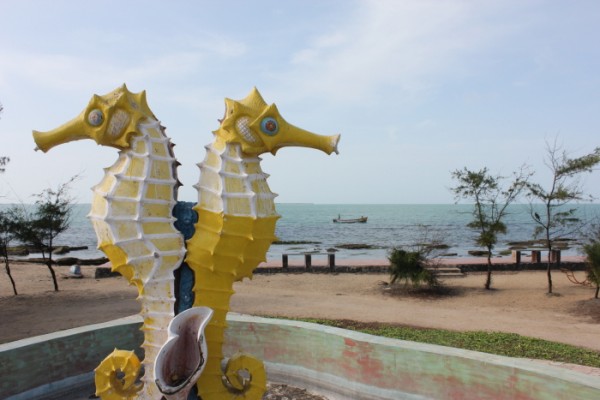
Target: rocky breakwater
23, 253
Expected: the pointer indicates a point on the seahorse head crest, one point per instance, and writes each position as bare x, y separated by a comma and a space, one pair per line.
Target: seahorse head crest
260, 128
110, 120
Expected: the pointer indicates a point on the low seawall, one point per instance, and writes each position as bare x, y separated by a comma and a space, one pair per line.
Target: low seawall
513, 267
337, 363
372, 268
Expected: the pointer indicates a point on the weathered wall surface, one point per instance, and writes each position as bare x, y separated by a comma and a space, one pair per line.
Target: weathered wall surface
337, 363
357, 366
43, 361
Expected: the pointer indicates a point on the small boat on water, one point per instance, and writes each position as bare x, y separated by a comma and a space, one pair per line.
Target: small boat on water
360, 220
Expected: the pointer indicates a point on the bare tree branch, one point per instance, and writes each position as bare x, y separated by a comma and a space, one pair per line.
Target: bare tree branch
565, 187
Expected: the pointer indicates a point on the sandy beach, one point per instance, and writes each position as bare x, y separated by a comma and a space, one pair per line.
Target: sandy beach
518, 303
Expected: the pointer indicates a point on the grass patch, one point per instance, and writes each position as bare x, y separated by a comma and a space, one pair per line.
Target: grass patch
504, 344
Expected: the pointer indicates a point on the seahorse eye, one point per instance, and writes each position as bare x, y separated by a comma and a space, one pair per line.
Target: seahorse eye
95, 117
269, 126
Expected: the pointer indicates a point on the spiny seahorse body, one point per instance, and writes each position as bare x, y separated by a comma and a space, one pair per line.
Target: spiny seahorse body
236, 226
132, 216
131, 213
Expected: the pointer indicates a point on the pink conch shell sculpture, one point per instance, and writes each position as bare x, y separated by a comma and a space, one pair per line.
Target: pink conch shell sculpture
181, 360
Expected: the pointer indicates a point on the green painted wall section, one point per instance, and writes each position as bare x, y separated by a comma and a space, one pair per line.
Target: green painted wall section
29, 363
360, 366
406, 367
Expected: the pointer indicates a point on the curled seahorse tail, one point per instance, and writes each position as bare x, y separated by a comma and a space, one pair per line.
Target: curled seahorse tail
244, 377
116, 376
247, 375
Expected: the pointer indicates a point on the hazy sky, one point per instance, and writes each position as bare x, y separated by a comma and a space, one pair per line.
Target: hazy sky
416, 88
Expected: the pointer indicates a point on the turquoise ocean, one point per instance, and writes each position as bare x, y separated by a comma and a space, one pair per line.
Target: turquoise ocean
388, 226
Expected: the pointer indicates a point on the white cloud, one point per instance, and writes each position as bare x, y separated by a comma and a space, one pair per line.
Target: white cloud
403, 45
73, 72
116, 58
320, 45
219, 45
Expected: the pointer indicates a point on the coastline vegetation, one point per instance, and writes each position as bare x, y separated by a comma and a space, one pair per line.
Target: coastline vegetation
565, 187
39, 228
491, 200
499, 343
411, 267
592, 252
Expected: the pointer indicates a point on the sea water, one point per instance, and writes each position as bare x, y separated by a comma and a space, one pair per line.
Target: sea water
312, 229
401, 225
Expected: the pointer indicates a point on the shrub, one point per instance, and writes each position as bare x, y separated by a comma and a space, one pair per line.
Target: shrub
410, 266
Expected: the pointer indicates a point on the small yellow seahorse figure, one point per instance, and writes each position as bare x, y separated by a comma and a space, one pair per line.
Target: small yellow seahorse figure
131, 214
236, 226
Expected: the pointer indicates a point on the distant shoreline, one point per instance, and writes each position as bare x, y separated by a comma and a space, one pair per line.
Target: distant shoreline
318, 260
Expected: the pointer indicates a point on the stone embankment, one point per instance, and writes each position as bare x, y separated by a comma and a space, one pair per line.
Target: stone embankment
25, 251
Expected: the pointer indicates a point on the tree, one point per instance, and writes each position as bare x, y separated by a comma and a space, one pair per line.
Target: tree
591, 249
592, 252
491, 201
3, 160
6, 236
51, 216
5, 233
565, 187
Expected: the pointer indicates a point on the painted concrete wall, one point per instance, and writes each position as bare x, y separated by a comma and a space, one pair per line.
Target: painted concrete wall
369, 367
43, 361
338, 363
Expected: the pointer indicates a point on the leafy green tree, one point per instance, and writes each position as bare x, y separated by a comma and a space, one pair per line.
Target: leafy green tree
592, 252
491, 200
565, 187
51, 216
6, 236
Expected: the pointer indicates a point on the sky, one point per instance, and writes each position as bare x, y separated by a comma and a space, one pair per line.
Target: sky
417, 89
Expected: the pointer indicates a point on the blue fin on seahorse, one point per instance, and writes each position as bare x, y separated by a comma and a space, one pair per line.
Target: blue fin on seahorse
184, 276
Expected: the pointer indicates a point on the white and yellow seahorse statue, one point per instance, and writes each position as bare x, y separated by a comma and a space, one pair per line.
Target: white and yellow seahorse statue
131, 214
236, 226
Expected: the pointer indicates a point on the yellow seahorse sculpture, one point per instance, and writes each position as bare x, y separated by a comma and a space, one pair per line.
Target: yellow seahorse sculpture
236, 226
131, 214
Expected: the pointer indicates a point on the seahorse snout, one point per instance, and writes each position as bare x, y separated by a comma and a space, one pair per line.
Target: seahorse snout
335, 139
72, 130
